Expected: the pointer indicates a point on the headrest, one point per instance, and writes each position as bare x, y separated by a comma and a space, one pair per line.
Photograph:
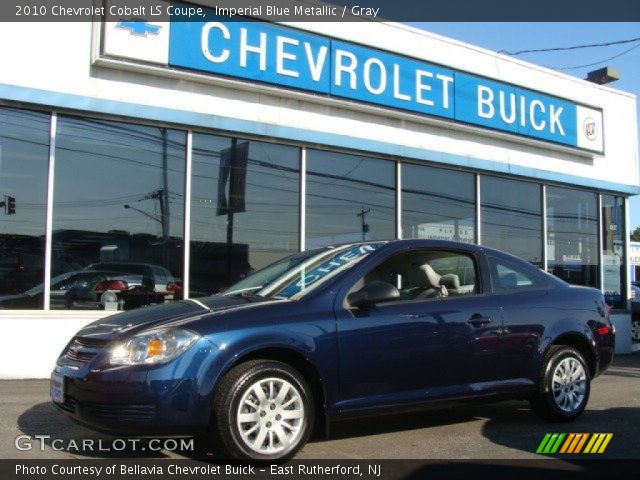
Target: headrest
451, 281
424, 276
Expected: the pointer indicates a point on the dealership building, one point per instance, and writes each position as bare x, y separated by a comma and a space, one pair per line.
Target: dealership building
178, 157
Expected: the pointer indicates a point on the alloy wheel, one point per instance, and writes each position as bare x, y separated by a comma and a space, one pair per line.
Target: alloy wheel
270, 416
569, 384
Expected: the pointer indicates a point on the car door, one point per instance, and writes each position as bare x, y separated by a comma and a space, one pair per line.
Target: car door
522, 293
418, 349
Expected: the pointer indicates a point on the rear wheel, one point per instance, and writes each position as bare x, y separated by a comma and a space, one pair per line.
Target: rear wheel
263, 411
564, 386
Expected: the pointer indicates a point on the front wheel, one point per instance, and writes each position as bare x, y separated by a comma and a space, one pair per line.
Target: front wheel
263, 411
564, 386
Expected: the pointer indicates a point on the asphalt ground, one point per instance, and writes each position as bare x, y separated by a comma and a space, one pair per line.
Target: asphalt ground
506, 430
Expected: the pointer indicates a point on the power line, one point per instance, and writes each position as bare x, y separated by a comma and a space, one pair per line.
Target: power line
597, 63
575, 47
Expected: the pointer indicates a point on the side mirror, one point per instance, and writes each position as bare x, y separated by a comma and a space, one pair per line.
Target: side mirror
374, 292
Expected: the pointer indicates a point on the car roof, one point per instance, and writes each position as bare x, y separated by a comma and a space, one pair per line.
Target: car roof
417, 242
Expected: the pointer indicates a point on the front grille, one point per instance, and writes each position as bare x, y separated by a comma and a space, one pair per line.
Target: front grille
117, 413
120, 413
82, 349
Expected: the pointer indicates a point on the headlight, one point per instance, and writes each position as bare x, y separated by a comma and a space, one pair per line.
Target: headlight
151, 347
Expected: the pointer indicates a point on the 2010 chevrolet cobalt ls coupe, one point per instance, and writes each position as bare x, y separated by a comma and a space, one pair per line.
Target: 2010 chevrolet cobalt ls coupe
338, 331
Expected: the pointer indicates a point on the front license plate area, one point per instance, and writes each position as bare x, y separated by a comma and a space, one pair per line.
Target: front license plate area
57, 387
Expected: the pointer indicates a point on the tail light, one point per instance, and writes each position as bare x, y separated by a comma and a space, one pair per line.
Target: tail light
174, 287
117, 285
604, 330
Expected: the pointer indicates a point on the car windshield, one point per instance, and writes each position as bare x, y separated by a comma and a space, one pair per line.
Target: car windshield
300, 273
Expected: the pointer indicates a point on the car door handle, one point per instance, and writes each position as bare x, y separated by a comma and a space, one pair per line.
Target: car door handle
478, 320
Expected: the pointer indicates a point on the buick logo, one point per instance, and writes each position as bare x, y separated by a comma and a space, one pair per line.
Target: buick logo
590, 129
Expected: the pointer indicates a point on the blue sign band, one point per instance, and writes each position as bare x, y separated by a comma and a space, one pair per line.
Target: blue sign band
282, 56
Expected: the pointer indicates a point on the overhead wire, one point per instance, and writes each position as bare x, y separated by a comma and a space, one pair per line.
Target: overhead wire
574, 47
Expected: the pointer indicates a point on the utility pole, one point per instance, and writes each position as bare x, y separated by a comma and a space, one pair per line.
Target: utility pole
365, 226
163, 198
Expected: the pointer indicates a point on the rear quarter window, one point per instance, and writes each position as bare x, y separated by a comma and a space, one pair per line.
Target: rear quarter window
512, 276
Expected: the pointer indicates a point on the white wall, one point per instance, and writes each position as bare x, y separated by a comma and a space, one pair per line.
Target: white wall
31, 341
622, 323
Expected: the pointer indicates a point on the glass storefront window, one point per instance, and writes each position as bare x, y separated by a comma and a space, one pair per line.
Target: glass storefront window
438, 204
24, 160
118, 226
117, 215
349, 198
245, 199
572, 241
512, 217
613, 255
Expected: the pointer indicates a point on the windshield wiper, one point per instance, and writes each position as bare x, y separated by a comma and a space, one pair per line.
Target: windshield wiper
248, 295
245, 294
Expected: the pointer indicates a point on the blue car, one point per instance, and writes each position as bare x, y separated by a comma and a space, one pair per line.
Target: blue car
348, 330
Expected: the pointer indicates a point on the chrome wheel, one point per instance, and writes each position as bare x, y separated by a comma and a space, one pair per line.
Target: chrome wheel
270, 416
569, 384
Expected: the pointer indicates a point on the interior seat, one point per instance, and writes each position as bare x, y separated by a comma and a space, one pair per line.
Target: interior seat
426, 282
452, 283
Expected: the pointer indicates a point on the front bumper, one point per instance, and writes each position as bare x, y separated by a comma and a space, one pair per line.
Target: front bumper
143, 400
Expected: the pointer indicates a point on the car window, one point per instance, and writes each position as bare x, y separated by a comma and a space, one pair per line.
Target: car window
507, 276
426, 274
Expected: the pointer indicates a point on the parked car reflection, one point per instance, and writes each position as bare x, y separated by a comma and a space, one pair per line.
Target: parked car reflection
103, 286
20, 271
62, 288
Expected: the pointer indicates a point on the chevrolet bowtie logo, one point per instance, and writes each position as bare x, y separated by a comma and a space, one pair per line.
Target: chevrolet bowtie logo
141, 29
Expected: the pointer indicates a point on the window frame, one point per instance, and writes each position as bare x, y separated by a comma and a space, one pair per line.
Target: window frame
484, 207
428, 196
359, 156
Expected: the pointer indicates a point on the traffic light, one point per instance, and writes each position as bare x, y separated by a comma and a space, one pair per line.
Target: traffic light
10, 205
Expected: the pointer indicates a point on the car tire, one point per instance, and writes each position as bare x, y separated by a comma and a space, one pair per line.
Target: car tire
564, 386
263, 410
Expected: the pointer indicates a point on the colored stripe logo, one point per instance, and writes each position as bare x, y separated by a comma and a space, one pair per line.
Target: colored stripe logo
569, 443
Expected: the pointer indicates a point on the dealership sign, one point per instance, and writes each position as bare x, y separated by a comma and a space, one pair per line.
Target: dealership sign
277, 55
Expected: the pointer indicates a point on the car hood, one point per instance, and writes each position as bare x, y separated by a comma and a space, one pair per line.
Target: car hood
111, 327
